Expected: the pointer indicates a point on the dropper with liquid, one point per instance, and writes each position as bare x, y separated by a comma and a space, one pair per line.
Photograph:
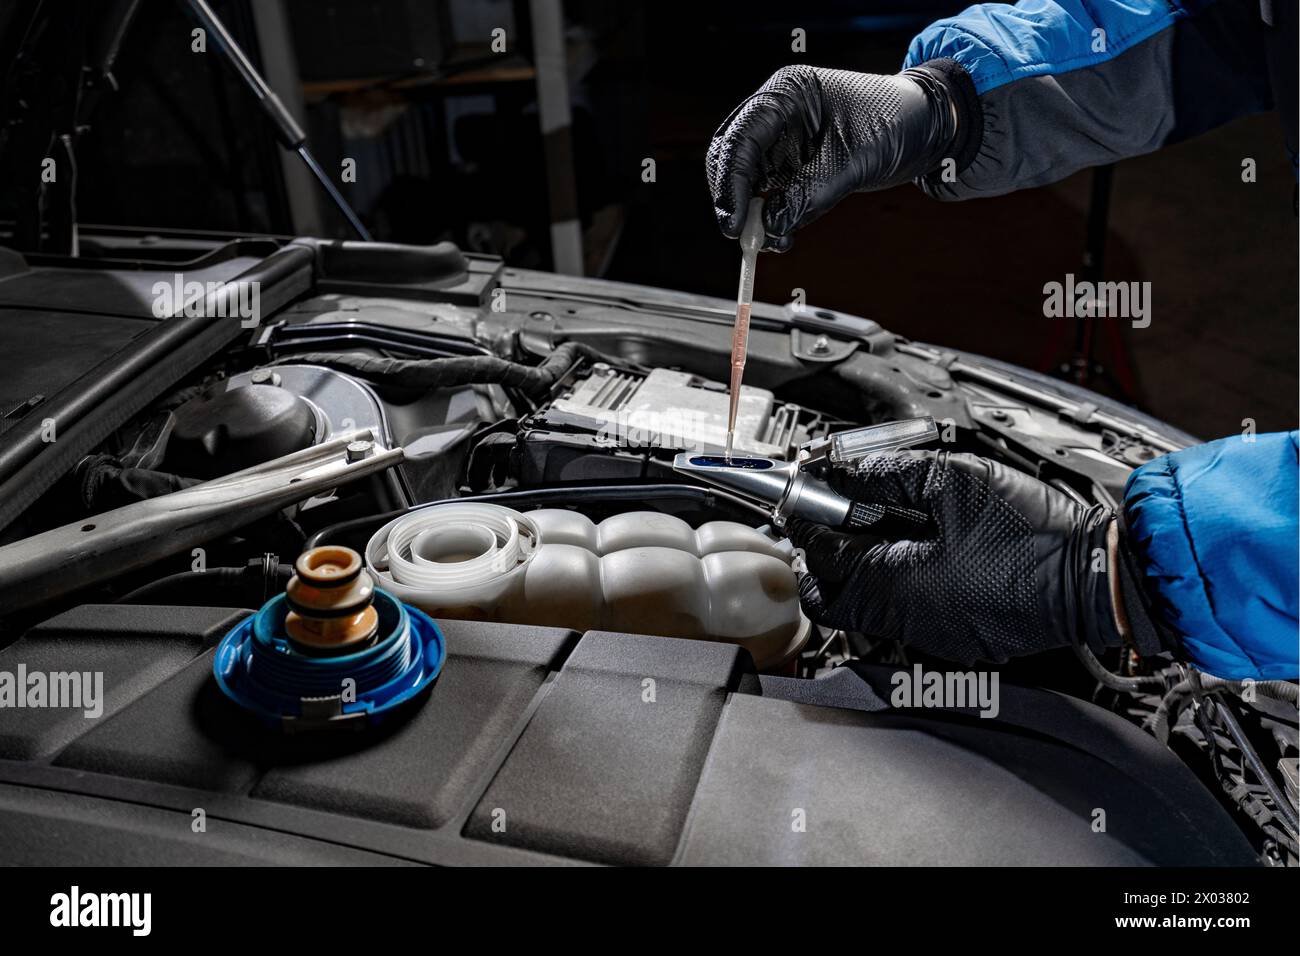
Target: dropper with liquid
751, 240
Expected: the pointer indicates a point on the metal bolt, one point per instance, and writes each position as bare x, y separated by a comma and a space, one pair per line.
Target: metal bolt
360, 450
822, 345
264, 376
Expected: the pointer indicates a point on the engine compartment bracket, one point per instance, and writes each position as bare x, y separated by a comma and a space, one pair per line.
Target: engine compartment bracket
65, 559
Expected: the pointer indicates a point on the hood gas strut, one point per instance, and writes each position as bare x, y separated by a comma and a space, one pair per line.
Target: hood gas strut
287, 130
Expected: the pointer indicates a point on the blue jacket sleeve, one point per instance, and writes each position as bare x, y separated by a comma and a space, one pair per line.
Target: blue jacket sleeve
1215, 531
1065, 84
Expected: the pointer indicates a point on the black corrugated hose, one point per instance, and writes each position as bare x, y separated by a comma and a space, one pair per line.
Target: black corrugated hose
103, 483
425, 374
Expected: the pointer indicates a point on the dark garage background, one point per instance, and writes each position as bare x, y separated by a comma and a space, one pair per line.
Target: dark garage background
446, 137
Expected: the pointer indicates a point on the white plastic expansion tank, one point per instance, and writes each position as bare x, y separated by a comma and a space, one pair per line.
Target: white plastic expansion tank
640, 572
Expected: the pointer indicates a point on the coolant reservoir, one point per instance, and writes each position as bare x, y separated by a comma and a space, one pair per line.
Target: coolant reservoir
641, 572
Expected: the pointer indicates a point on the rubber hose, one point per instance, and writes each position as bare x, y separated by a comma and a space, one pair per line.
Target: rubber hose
426, 374
215, 587
1129, 685
1281, 690
105, 484
1170, 704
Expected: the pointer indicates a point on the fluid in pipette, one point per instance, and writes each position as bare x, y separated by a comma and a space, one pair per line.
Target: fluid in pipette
751, 240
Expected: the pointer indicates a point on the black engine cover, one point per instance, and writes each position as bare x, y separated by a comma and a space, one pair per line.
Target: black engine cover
552, 733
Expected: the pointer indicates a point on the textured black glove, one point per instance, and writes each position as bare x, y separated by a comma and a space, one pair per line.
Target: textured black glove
1007, 566
811, 136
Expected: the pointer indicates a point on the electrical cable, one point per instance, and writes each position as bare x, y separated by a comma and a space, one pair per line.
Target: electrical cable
428, 374
1128, 685
1283, 807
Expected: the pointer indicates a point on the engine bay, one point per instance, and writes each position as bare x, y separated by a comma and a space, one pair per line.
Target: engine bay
621, 649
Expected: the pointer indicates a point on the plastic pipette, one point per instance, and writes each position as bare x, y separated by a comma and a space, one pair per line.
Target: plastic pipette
751, 240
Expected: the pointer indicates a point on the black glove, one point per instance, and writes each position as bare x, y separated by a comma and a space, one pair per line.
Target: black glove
810, 136
1007, 566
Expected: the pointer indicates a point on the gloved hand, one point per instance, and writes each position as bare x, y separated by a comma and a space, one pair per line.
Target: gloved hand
811, 136
1007, 566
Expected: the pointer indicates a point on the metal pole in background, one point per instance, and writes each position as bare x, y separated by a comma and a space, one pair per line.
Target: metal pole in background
551, 65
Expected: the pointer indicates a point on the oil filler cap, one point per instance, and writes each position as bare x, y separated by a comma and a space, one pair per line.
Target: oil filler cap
333, 651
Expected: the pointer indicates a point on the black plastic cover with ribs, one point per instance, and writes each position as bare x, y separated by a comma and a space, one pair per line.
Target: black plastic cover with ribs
542, 745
